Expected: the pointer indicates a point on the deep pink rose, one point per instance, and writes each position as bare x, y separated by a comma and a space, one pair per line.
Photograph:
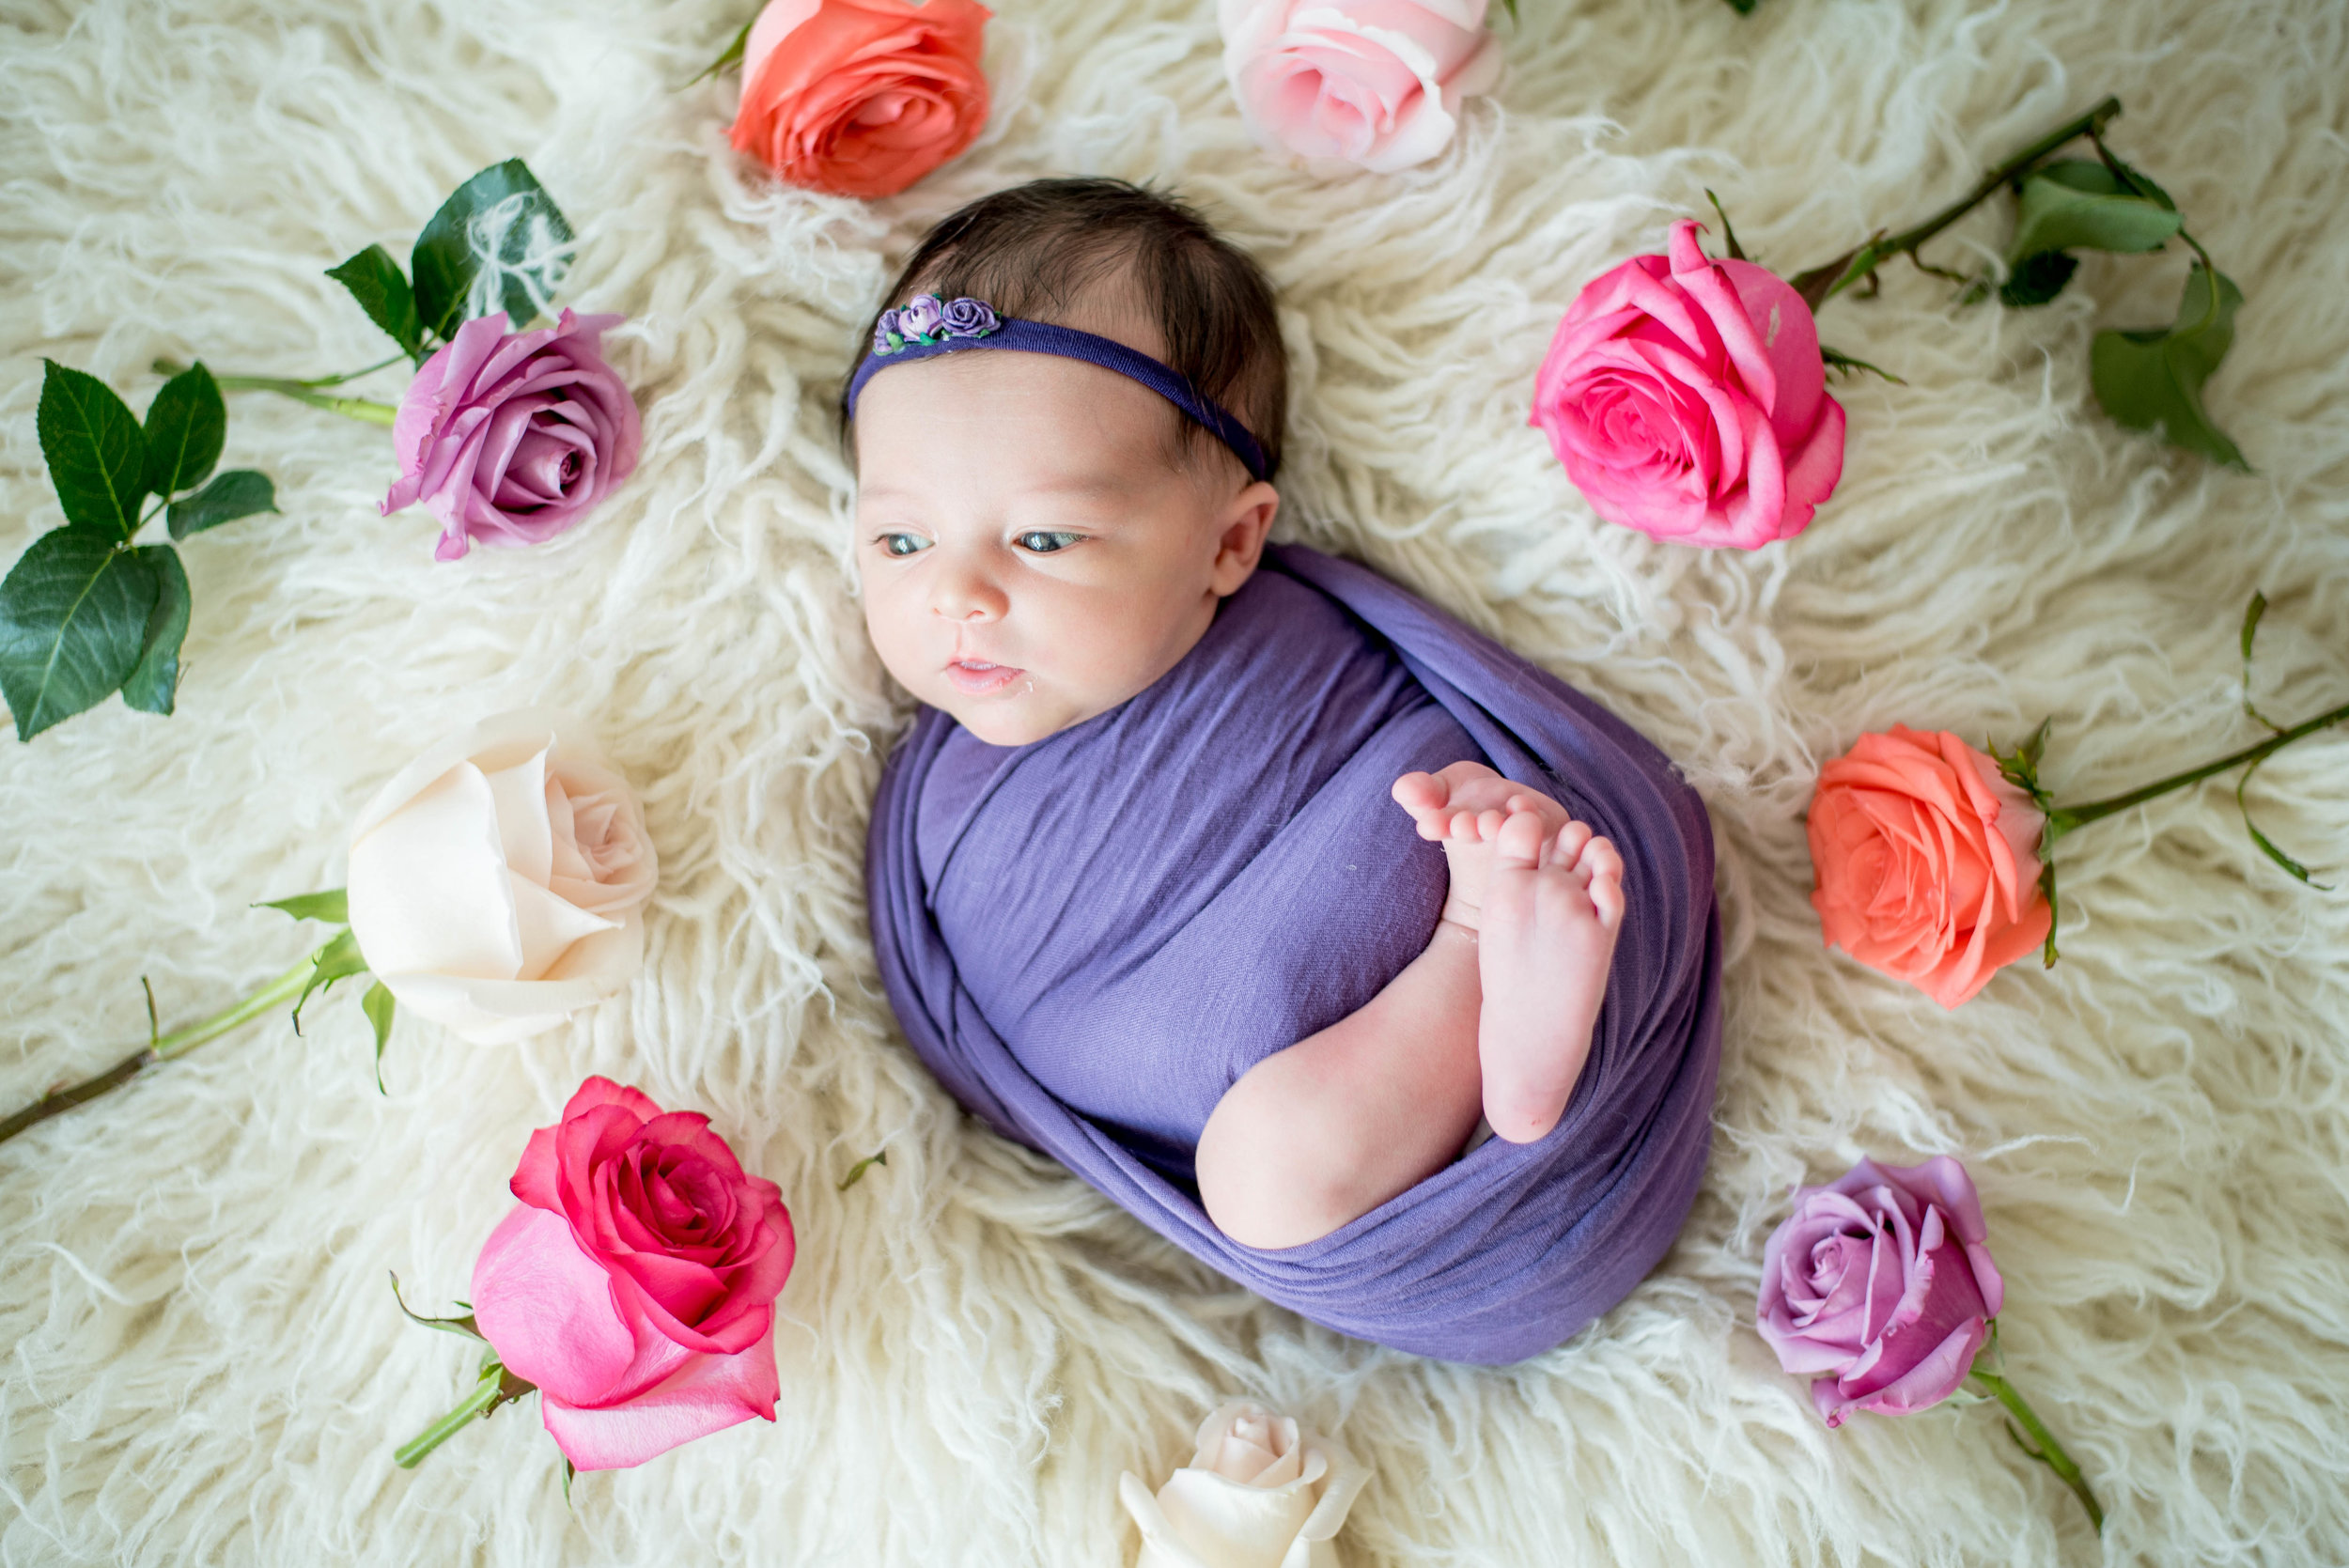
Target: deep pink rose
1880, 1281
635, 1285
1377, 82
511, 438
1687, 398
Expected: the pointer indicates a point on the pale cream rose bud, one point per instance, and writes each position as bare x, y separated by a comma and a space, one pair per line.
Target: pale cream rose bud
1259, 1493
495, 881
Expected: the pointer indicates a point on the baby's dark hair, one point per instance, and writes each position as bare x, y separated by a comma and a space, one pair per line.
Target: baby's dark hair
1035, 249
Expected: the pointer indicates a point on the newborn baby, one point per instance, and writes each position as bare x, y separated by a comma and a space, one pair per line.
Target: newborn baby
1263, 990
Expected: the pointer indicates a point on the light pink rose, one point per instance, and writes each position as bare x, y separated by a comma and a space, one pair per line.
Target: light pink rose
635, 1284
1687, 398
1377, 82
1881, 1283
511, 438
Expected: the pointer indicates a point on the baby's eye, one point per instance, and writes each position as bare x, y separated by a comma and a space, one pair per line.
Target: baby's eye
1044, 542
904, 544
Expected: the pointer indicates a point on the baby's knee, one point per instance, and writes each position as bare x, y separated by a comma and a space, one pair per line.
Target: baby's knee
1270, 1168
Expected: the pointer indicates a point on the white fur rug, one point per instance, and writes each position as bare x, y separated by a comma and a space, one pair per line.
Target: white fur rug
203, 1362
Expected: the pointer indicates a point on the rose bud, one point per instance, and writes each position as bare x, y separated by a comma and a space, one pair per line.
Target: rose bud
1259, 1493
1686, 399
496, 881
1376, 83
1927, 864
635, 1283
511, 438
861, 98
1880, 1284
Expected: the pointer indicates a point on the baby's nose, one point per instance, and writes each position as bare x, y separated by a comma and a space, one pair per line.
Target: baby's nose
967, 595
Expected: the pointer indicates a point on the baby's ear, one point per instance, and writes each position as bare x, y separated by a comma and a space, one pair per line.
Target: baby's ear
1240, 536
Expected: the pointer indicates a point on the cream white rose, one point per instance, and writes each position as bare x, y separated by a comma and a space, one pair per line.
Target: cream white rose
1260, 1493
496, 881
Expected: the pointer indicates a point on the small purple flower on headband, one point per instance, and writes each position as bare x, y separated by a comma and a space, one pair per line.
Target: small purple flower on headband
968, 318
918, 317
928, 320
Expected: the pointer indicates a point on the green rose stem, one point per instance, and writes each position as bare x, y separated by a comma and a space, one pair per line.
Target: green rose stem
282, 989
2047, 1451
1822, 284
2063, 819
366, 409
497, 1387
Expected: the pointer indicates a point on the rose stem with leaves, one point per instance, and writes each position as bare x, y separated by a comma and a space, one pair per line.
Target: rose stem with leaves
2020, 768
337, 958
162, 1048
2042, 1445
1822, 284
366, 409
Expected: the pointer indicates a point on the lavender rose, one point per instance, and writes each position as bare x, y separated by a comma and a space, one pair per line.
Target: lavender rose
511, 438
967, 318
1880, 1281
887, 339
918, 317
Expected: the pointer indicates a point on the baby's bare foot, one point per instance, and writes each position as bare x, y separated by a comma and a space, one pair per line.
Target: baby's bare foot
1463, 808
1552, 904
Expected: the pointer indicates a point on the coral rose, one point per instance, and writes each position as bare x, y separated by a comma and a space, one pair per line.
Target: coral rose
861, 98
1260, 1492
635, 1284
511, 438
1377, 82
1881, 1283
1927, 863
495, 881
1686, 399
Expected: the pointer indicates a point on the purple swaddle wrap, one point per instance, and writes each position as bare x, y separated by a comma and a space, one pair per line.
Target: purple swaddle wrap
1090, 937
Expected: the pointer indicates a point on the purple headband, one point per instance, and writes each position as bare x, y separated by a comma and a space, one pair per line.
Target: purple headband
927, 326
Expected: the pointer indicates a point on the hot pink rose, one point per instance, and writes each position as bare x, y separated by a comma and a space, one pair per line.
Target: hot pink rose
1687, 398
1881, 1283
1377, 82
635, 1285
511, 438
1927, 862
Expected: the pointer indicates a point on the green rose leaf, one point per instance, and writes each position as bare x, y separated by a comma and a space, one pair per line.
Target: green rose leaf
383, 292
502, 222
96, 456
2153, 381
339, 959
73, 620
2130, 179
239, 492
329, 906
185, 426
155, 677
2037, 279
2074, 204
377, 1004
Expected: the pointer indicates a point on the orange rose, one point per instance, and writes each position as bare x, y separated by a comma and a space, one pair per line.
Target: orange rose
1927, 863
861, 98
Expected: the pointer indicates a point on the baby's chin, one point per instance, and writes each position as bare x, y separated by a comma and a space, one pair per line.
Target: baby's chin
1009, 721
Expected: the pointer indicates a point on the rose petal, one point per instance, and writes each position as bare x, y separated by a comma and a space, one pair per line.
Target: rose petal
548, 1309
704, 1394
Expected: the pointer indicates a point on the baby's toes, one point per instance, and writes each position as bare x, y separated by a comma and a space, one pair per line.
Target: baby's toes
1567, 848
1519, 842
1603, 868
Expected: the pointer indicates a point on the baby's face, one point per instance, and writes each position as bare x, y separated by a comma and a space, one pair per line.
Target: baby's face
1030, 555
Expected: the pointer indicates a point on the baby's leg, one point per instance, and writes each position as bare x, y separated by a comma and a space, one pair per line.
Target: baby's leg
1552, 904
1313, 1137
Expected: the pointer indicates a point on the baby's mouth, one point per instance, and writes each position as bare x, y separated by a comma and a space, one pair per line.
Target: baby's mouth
976, 678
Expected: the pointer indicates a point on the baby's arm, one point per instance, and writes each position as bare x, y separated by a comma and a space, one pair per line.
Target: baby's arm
1497, 1012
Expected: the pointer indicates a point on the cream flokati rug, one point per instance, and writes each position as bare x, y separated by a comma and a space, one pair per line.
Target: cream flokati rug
203, 1364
